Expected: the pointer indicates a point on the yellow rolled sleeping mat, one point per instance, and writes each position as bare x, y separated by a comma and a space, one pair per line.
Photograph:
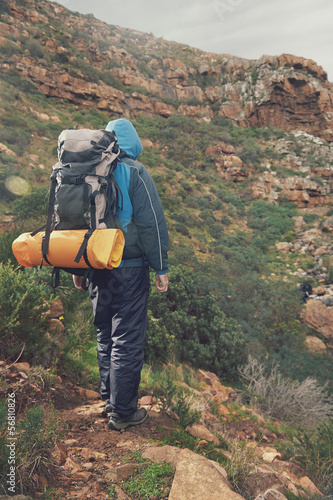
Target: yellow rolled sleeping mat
104, 249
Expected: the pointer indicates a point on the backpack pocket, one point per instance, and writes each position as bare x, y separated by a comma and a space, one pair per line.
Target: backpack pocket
73, 206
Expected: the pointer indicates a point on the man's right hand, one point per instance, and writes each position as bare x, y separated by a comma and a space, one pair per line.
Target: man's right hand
162, 282
77, 280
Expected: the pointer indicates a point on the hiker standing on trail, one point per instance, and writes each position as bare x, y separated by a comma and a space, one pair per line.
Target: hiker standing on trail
120, 296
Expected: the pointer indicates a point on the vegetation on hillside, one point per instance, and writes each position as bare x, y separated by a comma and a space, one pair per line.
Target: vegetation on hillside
232, 297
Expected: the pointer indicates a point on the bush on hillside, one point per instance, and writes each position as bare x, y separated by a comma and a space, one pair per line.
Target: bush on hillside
204, 336
35, 49
313, 452
23, 300
37, 433
33, 206
4, 7
6, 240
160, 343
300, 403
270, 222
17, 139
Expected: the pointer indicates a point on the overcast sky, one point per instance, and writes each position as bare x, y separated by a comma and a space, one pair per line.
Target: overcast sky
245, 28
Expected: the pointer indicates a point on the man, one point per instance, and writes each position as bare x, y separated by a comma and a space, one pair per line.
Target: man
120, 296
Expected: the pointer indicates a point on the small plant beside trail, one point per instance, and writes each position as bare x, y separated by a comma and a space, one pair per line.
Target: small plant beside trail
313, 451
36, 434
240, 465
186, 409
151, 480
185, 406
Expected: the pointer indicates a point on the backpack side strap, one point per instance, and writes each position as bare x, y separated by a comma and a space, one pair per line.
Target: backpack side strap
48, 230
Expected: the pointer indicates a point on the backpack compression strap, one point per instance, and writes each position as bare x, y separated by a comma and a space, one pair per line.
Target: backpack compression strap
48, 230
90, 231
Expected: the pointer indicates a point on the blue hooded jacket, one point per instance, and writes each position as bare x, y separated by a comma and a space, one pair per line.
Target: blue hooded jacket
140, 210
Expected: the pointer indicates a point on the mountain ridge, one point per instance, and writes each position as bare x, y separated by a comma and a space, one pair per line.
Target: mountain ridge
139, 73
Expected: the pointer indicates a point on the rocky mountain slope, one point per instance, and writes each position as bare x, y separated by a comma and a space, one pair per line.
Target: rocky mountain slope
125, 72
220, 135
65, 67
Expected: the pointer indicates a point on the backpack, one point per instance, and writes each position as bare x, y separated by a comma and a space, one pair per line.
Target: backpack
83, 195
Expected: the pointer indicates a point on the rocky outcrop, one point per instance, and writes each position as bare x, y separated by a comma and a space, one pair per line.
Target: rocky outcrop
287, 92
299, 190
228, 165
302, 173
319, 317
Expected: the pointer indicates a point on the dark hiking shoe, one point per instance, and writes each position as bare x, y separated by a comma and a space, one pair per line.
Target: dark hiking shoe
116, 423
107, 409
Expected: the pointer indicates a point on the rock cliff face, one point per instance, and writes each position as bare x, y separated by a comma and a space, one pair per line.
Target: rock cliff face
125, 72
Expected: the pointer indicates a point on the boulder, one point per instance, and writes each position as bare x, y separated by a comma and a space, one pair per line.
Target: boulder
199, 430
303, 64
283, 246
197, 478
309, 486
269, 457
5, 150
24, 366
327, 225
88, 393
56, 309
264, 478
315, 345
319, 317
161, 454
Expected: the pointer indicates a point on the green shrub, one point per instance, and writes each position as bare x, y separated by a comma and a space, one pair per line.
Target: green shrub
13, 77
187, 413
35, 49
204, 336
313, 452
17, 139
182, 229
239, 467
160, 343
22, 303
309, 218
270, 222
9, 48
4, 7
32, 206
37, 433
6, 240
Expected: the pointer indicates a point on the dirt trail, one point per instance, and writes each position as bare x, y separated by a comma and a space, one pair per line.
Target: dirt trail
90, 458
93, 457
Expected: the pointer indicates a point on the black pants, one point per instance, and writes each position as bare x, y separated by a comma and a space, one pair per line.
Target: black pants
120, 299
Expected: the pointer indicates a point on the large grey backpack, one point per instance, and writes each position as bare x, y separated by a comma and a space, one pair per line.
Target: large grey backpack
83, 193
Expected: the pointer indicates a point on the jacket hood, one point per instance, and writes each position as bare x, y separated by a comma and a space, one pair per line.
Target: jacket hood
127, 136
